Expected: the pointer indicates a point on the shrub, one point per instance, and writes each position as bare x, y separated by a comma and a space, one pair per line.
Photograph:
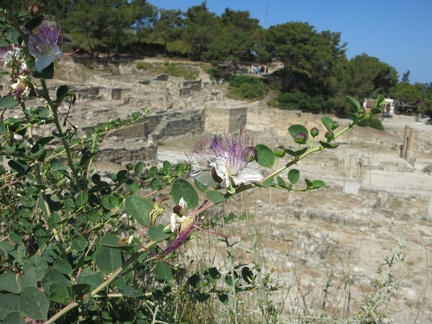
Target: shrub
247, 87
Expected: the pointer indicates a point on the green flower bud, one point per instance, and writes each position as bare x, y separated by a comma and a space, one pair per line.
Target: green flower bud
314, 132
205, 282
335, 125
300, 138
279, 151
129, 166
329, 136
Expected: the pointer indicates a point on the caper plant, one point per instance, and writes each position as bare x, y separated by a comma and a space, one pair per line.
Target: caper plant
69, 244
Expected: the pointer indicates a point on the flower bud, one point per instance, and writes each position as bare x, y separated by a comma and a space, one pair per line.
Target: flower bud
314, 132
205, 282
335, 125
279, 151
329, 136
215, 176
177, 209
34, 9
250, 153
300, 138
129, 166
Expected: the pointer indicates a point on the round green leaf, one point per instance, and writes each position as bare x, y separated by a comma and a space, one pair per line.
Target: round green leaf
183, 189
34, 303
108, 259
8, 102
139, 208
81, 198
63, 266
79, 243
163, 272
109, 202
93, 280
264, 156
293, 175
54, 276
216, 196
318, 184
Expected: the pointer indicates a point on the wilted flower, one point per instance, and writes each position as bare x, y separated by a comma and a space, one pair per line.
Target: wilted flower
43, 44
231, 159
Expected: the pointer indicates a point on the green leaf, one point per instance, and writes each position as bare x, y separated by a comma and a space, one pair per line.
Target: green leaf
110, 202
107, 259
183, 189
93, 280
281, 182
54, 276
19, 166
62, 92
200, 186
47, 73
34, 22
264, 156
34, 303
297, 128
81, 199
12, 35
41, 112
8, 102
39, 264
14, 318
328, 123
58, 164
163, 271
223, 298
29, 278
268, 182
157, 234
63, 266
293, 175
318, 184
139, 208
80, 290
9, 283
3, 128
139, 167
296, 153
328, 145
54, 220
58, 292
9, 303
79, 243
354, 103
217, 197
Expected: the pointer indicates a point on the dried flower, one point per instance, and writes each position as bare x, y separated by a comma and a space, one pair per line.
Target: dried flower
231, 159
43, 44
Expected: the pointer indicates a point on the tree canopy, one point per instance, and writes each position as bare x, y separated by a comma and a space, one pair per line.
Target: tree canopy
315, 69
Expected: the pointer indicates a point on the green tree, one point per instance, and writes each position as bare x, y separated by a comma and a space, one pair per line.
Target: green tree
367, 76
202, 27
238, 35
101, 24
408, 93
309, 58
169, 25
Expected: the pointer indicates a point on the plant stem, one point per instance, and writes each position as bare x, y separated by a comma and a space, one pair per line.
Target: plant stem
61, 134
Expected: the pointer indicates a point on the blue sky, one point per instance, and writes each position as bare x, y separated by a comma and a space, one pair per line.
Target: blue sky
397, 32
